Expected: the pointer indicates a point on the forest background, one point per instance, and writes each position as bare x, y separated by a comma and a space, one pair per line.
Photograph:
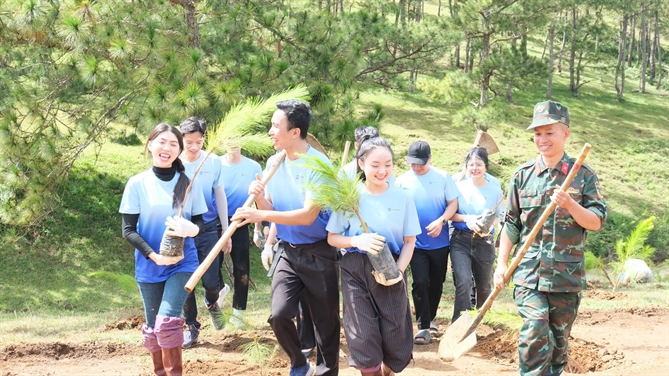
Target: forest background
82, 83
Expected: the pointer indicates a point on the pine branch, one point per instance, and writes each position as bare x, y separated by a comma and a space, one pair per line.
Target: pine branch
240, 126
334, 190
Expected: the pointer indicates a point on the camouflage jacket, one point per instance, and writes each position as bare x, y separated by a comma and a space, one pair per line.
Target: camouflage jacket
554, 262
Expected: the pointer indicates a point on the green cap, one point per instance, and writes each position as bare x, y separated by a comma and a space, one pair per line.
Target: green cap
549, 112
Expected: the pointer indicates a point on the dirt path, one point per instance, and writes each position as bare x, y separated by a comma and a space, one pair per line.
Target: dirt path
620, 342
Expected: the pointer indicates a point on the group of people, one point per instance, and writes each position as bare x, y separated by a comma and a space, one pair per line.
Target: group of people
421, 217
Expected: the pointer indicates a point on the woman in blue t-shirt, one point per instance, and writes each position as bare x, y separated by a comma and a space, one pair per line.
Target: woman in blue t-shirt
377, 317
473, 248
151, 202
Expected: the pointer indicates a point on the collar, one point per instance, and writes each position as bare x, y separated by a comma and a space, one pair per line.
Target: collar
563, 166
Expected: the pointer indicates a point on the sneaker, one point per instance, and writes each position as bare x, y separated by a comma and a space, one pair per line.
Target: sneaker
221, 295
217, 317
237, 319
190, 336
305, 370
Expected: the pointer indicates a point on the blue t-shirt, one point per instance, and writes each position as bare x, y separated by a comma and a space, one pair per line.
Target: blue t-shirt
391, 214
151, 198
489, 178
473, 199
237, 178
288, 191
430, 192
209, 178
351, 169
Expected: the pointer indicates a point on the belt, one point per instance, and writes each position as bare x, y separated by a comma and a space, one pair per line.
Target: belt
473, 234
307, 245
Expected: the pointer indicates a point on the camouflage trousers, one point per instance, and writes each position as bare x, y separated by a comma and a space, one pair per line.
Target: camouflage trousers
547, 321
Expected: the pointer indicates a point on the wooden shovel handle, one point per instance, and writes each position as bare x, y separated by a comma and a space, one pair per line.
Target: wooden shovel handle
344, 157
535, 230
197, 275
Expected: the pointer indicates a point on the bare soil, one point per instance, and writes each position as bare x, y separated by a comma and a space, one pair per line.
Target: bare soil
617, 342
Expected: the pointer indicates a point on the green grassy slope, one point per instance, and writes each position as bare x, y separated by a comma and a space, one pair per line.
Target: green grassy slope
49, 269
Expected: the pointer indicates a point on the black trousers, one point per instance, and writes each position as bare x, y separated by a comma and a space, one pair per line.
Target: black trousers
312, 269
428, 268
305, 325
240, 267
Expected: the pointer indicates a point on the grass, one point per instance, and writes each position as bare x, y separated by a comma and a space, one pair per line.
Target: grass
55, 282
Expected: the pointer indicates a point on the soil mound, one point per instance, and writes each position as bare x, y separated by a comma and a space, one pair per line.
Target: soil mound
126, 323
502, 347
59, 350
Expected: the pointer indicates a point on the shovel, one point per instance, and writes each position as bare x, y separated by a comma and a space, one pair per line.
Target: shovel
197, 275
460, 337
484, 140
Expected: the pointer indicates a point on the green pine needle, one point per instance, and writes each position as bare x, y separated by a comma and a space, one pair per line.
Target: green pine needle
334, 190
244, 124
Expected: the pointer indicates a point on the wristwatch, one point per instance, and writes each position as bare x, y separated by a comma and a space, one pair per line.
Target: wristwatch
444, 221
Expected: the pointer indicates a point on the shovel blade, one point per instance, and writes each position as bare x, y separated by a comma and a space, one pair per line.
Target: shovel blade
452, 345
486, 141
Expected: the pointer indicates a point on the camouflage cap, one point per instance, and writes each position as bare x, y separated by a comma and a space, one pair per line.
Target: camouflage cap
549, 112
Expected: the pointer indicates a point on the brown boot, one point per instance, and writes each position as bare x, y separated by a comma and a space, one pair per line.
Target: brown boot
172, 361
158, 368
386, 371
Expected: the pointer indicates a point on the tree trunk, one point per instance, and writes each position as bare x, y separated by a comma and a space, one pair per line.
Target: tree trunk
485, 76
191, 23
654, 46
644, 51
559, 64
620, 67
509, 90
543, 53
659, 53
632, 39
551, 38
418, 8
439, 9
572, 55
467, 51
456, 55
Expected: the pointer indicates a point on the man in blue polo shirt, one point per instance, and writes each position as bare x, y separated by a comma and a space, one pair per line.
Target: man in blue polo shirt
308, 263
436, 199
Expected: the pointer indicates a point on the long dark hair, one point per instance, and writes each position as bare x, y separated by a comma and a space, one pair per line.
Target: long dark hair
183, 182
367, 144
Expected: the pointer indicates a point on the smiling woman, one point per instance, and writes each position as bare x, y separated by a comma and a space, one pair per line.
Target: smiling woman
151, 200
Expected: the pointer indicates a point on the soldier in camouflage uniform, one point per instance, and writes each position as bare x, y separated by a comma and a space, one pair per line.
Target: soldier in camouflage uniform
549, 279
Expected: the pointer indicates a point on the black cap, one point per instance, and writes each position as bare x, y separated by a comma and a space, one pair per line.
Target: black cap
419, 153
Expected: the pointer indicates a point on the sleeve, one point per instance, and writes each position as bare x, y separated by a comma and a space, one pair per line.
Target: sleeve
315, 180
338, 223
499, 196
451, 191
411, 223
130, 202
512, 224
218, 171
198, 221
270, 184
593, 199
129, 223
